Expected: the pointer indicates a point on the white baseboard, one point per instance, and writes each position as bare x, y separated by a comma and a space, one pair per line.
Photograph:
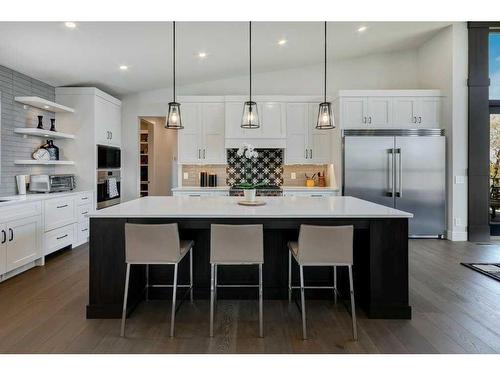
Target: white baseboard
456, 235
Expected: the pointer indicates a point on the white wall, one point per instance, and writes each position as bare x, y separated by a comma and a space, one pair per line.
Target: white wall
396, 70
442, 64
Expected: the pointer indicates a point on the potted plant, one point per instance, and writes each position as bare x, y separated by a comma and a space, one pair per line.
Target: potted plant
250, 155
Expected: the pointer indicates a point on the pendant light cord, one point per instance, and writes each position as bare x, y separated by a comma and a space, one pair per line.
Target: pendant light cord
174, 55
325, 61
250, 50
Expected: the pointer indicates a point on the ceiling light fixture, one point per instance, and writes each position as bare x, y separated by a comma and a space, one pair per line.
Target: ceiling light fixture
282, 42
250, 118
123, 67
362, 28
202, 55
70, 25
46, 106
174, 108
325, 116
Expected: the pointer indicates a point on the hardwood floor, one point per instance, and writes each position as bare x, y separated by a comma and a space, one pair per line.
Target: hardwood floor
455, 310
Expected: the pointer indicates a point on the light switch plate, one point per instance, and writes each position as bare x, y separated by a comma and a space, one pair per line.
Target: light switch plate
293, 175
185, 175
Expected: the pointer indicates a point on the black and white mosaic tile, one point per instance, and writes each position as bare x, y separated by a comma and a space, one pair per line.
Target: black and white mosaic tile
266, 168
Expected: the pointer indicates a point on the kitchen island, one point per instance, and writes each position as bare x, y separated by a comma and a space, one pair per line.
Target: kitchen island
380, 250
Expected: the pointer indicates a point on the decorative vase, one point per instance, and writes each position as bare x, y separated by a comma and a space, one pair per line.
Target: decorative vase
53, 150
52, 124
40, 123
249, 195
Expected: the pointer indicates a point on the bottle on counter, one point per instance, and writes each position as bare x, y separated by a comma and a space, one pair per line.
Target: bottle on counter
203, 179
212, 180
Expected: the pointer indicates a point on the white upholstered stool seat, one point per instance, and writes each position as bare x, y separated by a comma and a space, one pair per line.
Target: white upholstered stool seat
329, 246
156, 244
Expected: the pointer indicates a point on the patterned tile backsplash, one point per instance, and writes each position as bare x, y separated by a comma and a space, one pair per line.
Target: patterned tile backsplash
266, 168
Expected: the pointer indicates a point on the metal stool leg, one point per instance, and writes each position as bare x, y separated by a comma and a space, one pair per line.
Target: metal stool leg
147, 282
174, 295
124, 311
353, 306
212, 295
261, 313
191, 274
303, 303
289, 276
335, 283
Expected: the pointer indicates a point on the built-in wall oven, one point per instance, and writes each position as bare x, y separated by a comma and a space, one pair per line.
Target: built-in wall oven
108, 157
108, 187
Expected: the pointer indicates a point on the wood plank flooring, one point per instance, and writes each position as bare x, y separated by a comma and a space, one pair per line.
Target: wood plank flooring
455, 310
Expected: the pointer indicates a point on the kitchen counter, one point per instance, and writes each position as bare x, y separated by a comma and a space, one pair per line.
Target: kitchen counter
380, 250
15, 199
225, 188
227, 207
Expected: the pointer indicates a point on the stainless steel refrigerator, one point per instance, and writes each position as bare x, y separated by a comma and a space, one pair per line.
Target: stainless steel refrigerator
404, 169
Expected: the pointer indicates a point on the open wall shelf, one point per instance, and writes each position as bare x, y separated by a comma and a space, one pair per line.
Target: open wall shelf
44, 162
43, 133
44, 104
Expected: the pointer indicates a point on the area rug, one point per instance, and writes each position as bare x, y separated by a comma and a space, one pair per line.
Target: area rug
489, 269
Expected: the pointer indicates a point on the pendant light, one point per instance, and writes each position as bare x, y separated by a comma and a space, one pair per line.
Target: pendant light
325, 116
250, 118
174, 108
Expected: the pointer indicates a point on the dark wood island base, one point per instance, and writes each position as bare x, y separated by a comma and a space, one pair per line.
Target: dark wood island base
380, 264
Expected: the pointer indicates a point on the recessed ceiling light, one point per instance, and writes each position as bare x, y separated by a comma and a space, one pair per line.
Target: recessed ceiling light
202, 55
362, 28
46, 106
282, 42
70, 25
123, 67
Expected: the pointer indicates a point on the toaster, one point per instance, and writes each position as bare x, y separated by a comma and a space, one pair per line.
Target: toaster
45, 183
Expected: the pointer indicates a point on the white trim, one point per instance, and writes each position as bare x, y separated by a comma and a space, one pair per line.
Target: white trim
456, 235
390, 93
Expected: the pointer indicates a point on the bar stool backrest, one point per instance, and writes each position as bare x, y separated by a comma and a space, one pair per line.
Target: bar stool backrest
237, 244
325, 244
152, 243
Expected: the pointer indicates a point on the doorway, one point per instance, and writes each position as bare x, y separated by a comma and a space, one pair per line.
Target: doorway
157, 157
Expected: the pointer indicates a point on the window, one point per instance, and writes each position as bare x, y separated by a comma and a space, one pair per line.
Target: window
494, 63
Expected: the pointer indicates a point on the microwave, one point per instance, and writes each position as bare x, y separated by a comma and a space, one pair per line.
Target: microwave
108, 157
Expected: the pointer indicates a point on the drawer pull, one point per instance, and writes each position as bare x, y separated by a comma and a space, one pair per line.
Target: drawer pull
60, 238
64, 205
316, 195
85, 198
85, 213
195, 195
84, 230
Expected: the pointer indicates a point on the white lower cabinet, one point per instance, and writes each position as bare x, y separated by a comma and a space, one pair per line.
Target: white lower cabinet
59, 238
21, 242
59, 212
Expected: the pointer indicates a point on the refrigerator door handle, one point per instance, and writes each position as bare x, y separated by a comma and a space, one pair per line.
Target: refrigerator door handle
399, 191
390, 176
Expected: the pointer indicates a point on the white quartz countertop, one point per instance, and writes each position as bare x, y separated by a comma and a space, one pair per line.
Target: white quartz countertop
227, 207
15, 199
224, 188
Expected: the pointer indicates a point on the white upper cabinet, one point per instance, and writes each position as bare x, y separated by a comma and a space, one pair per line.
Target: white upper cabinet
272, 130
304, 143
202, 139
382, 109
108, 122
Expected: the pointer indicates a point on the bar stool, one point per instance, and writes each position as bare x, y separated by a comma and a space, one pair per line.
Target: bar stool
148, 244
322, 246
235, 245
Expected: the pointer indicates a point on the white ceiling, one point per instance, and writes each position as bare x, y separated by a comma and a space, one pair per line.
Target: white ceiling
92, 53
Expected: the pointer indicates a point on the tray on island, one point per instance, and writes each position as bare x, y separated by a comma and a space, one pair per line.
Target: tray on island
251, 203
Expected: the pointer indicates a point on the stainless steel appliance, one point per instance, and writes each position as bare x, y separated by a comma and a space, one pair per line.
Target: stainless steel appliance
261, 191
404, 169
45, 183
108, 157
108, 188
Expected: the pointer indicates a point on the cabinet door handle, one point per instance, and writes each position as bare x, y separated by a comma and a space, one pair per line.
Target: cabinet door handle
306, 153
370, 119
364, 120
64, 205
414, 119
204, 153
111, 133
11, 234
310, 153
4, 236
199, 154
60, 238
419, 119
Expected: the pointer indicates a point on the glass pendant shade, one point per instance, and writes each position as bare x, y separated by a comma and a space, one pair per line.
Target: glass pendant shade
325, 116
174, 116
250, 118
